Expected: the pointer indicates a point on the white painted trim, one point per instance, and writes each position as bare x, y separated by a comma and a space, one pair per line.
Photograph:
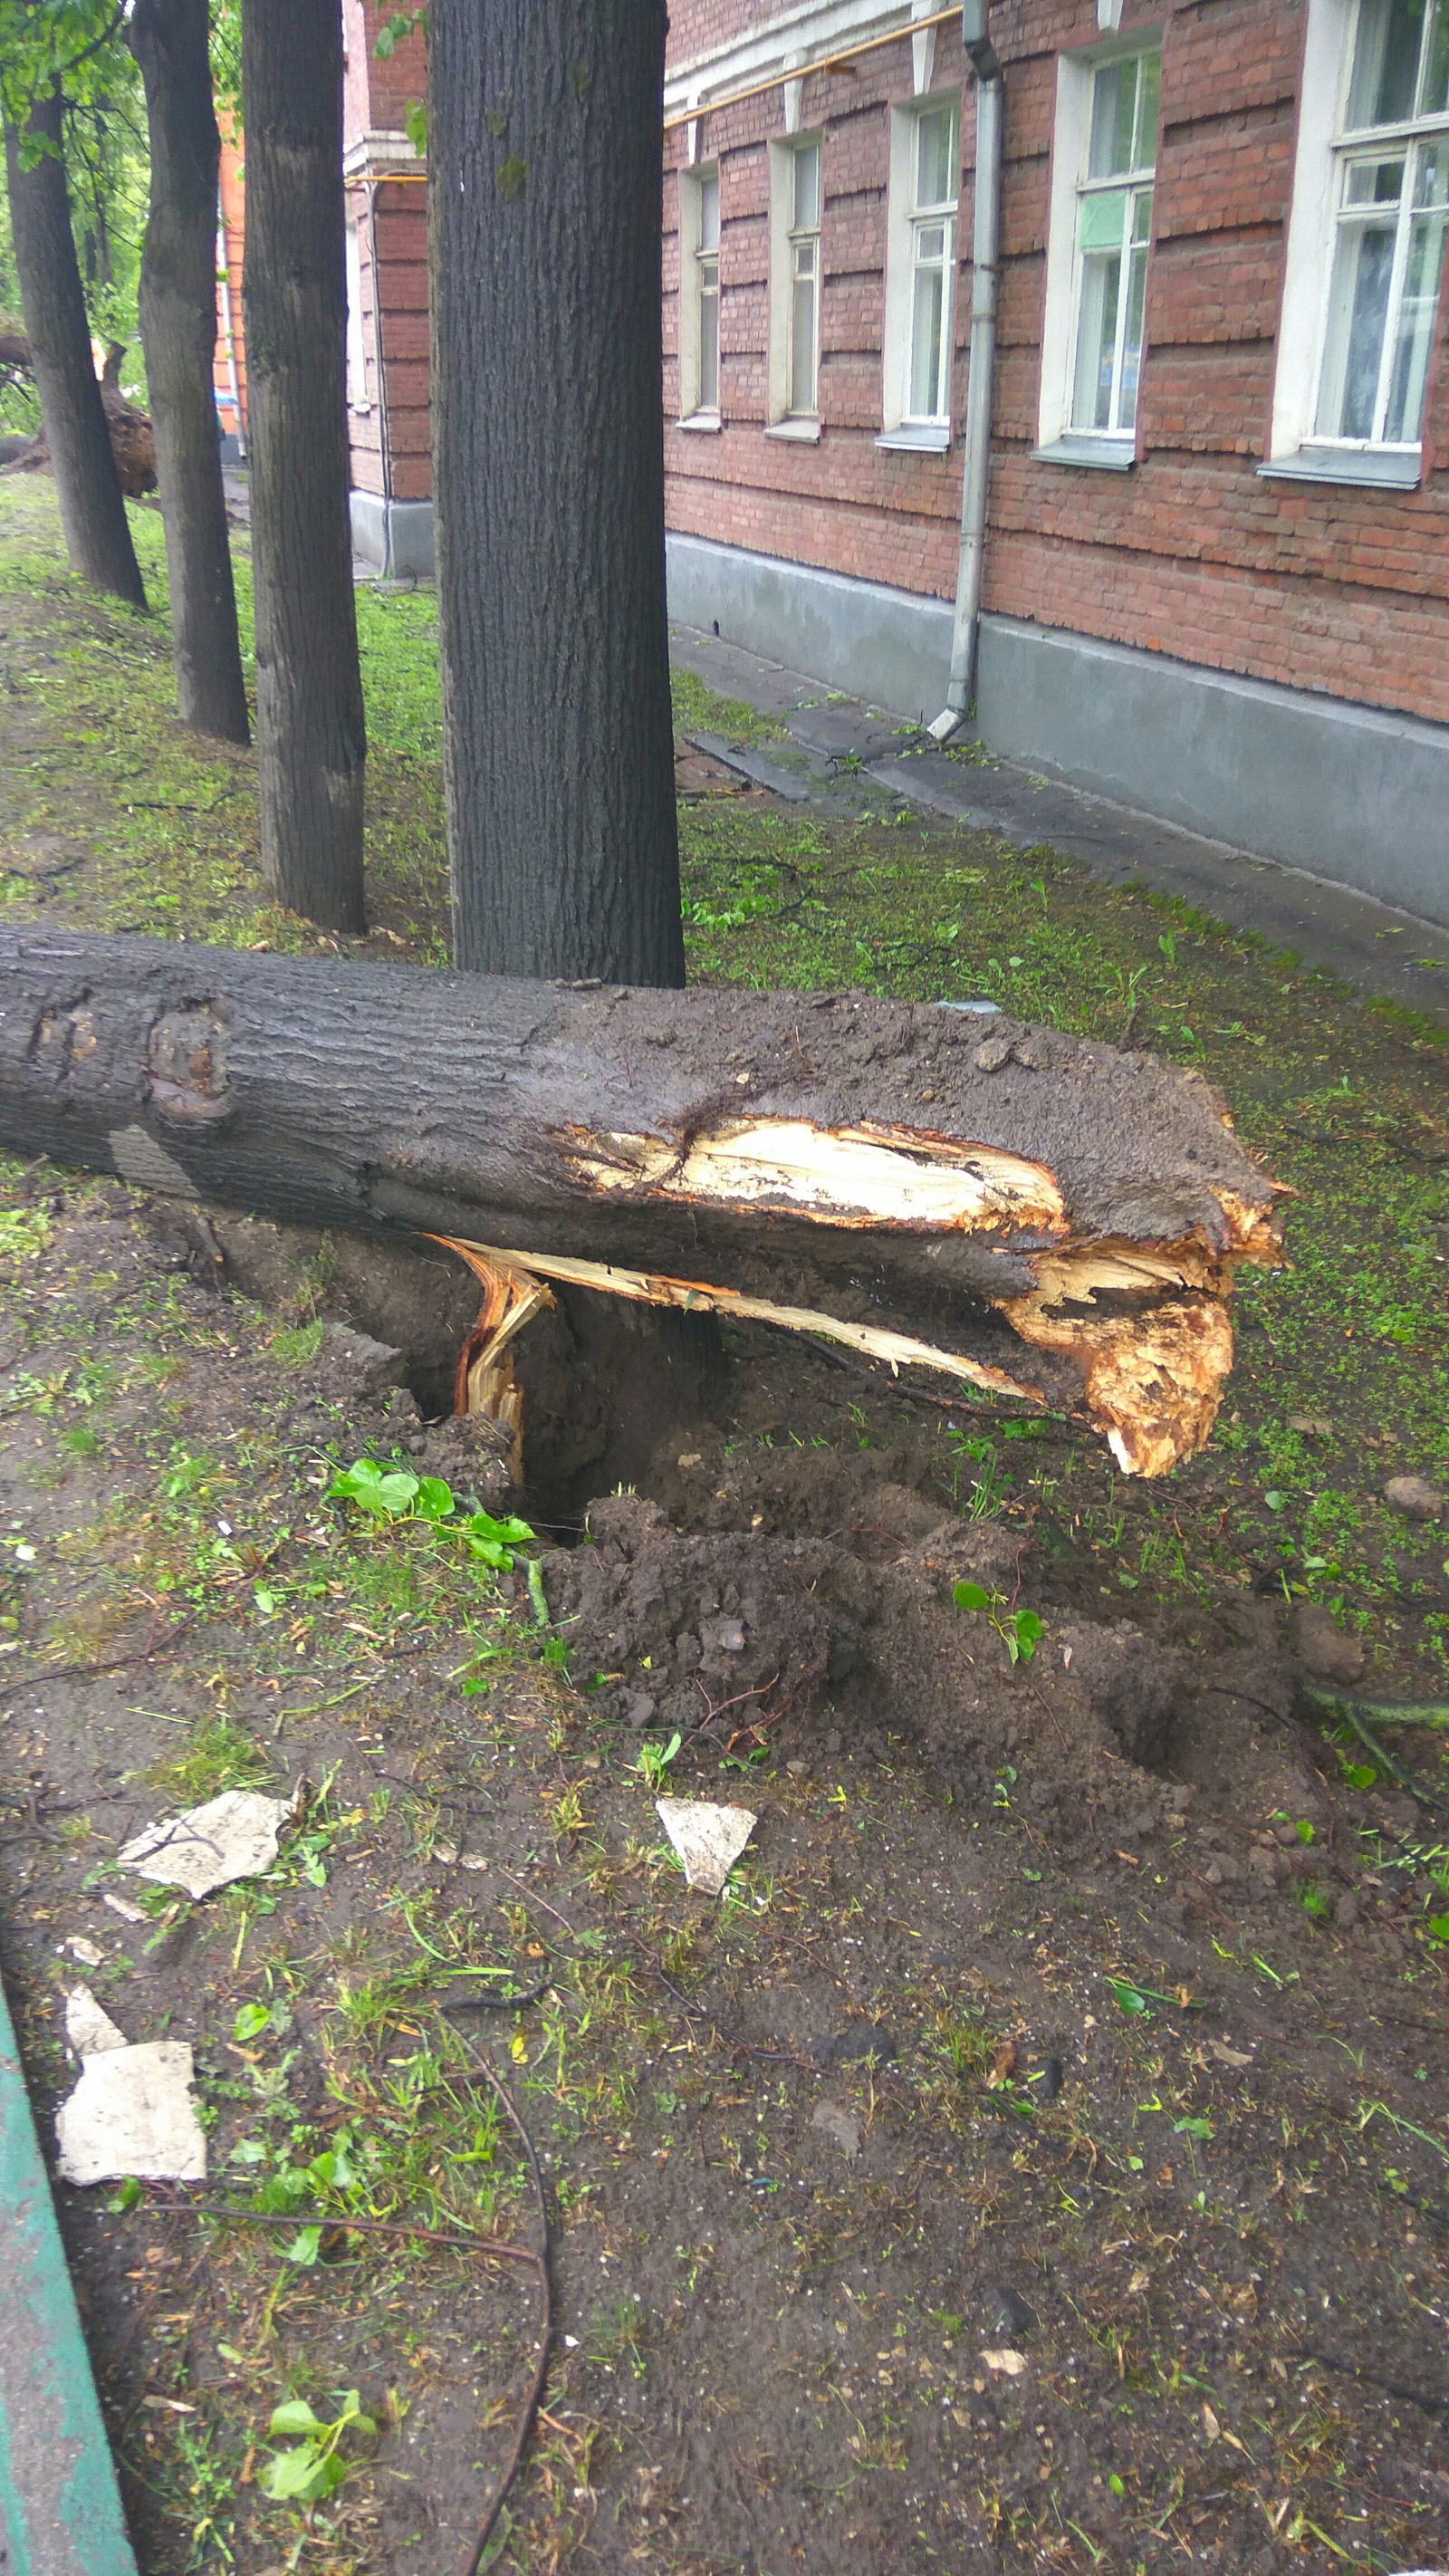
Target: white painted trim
690, 414
383, 145
1309, 259
781, 289
1070, 135
896, 336
923, 49
809, 33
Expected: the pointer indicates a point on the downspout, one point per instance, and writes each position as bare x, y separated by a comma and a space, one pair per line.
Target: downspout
223, 273
985, 259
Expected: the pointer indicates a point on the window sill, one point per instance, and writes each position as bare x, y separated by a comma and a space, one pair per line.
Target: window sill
1377, 468
709, 421
1103, 455
912, 438
807, 432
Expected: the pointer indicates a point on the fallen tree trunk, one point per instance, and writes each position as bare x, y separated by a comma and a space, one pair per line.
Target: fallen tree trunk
1028, 1211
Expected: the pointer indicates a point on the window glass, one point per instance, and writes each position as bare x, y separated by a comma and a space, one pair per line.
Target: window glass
802, 389
1114, 227
1390, 229
706, 271
936, 157
933, 261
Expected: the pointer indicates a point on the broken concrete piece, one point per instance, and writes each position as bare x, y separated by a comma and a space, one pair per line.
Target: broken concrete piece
88, 1953
708, 1839
89, 2031
132, 2113
122, 1905
233, 1836
840, 2126
1002, 2358
1415, 1497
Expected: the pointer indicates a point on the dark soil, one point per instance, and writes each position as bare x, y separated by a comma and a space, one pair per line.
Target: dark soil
1082, 2011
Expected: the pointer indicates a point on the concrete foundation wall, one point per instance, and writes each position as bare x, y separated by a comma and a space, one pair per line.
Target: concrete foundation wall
396, 537
1349, 792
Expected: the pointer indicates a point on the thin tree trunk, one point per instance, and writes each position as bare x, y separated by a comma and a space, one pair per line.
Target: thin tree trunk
544, 122
92, 511
311, 741
169, 39
1066, 1227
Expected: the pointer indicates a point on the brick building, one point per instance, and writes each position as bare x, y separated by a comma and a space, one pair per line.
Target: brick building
1215, 563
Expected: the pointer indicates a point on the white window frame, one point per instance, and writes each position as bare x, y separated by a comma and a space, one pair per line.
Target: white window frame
1059, 441
696, 264
905, 220
1296, 448
358, 397
789, 418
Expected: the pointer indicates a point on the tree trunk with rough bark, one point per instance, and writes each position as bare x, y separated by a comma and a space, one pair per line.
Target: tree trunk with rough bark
311, 738
169, 39
92, 511
1028, 1212
544, 120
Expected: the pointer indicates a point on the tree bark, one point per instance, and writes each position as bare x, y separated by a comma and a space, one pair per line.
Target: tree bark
169, 39
311, 739
1027, 1211
544, 123
92, 511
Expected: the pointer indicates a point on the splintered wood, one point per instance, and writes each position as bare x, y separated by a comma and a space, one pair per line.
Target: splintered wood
1029, 1213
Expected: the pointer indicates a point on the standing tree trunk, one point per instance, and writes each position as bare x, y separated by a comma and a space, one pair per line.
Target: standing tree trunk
544, 126
92, 511
311, 741
169, 39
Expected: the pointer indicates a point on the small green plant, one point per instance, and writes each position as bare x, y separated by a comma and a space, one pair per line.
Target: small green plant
396, 1494
654, 1760
312, 2468
1019, 1630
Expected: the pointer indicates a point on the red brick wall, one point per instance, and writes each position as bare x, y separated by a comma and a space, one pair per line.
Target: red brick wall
1319, 586
392, 223
233, 224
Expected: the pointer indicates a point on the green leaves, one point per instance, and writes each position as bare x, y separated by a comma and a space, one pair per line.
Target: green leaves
312, 2468
394, 1493
1020, 1631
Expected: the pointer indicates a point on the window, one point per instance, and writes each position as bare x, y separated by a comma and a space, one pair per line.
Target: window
357, 393
795, 206
933, 263
1099, 237
699, 297
1366, 243
802, 398
920, 276
1391, 216
1114, 229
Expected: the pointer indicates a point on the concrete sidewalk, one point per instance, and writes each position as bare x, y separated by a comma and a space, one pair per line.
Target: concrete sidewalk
837, 744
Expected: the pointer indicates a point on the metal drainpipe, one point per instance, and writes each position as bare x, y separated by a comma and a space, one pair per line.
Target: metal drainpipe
985, 258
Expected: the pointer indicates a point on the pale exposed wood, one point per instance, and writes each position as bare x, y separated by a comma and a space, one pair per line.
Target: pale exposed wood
837, 1176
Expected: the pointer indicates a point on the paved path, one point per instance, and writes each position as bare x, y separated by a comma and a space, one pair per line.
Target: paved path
835, 741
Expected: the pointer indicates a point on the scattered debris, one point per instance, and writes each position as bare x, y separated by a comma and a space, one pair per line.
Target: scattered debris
1311, 1425
840, 2126
453, 1858
1003, 2063
122, 1905
133, 2115
89, 2031
708, 1839
1226, 2056
1415, 1497
1004, 2358
89, 1955
233, 1836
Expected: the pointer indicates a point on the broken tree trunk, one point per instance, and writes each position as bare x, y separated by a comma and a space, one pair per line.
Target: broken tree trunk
1027, 1211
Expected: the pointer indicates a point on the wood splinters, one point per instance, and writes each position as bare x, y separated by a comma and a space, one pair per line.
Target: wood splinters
484, 1381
